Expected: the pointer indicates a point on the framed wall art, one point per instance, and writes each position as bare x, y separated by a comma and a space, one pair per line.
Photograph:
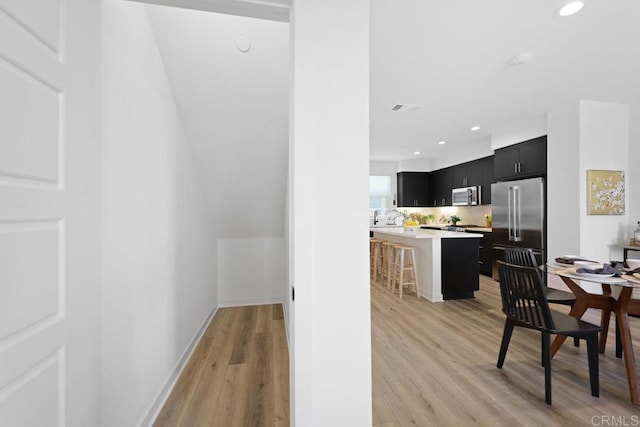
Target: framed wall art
605, 192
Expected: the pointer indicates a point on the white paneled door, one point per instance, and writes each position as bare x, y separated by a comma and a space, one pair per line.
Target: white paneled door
48, 174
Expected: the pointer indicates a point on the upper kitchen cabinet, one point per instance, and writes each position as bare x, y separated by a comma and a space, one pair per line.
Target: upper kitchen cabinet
440, 187
487, 179
522, 160
467, 174
413, 189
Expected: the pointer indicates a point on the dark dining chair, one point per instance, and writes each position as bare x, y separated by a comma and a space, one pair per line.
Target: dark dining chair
525, 257
525, 305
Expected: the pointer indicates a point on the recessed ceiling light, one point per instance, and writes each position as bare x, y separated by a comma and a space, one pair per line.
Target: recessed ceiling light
475, 128
570, 8
416, 153
442, 142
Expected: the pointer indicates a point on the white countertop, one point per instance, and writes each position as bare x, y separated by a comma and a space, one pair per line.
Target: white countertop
442, 226
426, 234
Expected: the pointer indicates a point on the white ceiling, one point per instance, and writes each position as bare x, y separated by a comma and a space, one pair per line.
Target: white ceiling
450, 58
234, 108
274, 10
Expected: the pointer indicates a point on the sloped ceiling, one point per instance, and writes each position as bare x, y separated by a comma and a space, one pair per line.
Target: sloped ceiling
276, 10
234, 108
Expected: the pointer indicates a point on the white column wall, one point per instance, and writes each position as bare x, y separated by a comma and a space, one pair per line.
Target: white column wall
604, 144
563, 181
330, 318
158, 249
633, 178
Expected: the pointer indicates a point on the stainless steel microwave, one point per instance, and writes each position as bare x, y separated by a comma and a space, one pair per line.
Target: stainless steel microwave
466, 196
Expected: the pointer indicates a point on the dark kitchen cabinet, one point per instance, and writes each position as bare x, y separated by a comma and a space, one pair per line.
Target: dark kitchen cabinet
523, 160
467, 174
460, 268
413, 189
487, 179
441, 183
485, 253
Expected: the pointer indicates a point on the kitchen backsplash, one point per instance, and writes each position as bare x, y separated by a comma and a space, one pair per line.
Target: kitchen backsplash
468, 214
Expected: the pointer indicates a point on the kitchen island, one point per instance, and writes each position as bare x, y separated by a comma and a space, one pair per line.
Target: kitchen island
446, 261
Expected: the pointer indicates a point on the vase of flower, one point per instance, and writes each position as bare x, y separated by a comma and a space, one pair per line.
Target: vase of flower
454, 219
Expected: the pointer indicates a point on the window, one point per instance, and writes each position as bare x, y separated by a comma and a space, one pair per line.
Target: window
380, 195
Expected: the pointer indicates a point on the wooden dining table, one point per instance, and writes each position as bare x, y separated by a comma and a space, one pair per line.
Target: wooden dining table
615, 297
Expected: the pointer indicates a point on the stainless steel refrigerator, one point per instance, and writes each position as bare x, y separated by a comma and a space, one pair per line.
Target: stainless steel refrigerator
518, 218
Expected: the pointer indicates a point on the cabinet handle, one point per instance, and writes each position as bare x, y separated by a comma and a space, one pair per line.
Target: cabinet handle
519, 167
443, 202
515, 167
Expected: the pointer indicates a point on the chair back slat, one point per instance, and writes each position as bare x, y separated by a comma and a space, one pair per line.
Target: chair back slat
523, 296
524, 257
520, 256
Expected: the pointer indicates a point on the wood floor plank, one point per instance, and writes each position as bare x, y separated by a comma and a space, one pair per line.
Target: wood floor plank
232, 400
243, 340
238, 374
176, 405
278, 313
260, 392
435, 364
264, 320
200, 411
280, 374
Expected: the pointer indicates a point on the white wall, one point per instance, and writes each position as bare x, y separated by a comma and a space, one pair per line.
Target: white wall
633, 178
413, 165
563, 181
604, 144
330, 318
250, 271
518, 131
235, 110
158, 250
466, 154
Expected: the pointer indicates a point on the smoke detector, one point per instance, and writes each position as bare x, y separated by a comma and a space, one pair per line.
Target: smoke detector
405, 108
521, 58
243, 44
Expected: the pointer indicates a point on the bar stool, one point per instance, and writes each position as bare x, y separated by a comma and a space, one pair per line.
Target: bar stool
405, 273
375, 252
387, 262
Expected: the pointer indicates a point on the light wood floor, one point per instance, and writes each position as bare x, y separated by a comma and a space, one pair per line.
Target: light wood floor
434, 364
238, 374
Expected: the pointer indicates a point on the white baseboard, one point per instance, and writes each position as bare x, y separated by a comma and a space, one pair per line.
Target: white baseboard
239, 302
154, 410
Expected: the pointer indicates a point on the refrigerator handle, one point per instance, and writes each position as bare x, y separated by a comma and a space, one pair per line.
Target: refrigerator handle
517, 222
509, 213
